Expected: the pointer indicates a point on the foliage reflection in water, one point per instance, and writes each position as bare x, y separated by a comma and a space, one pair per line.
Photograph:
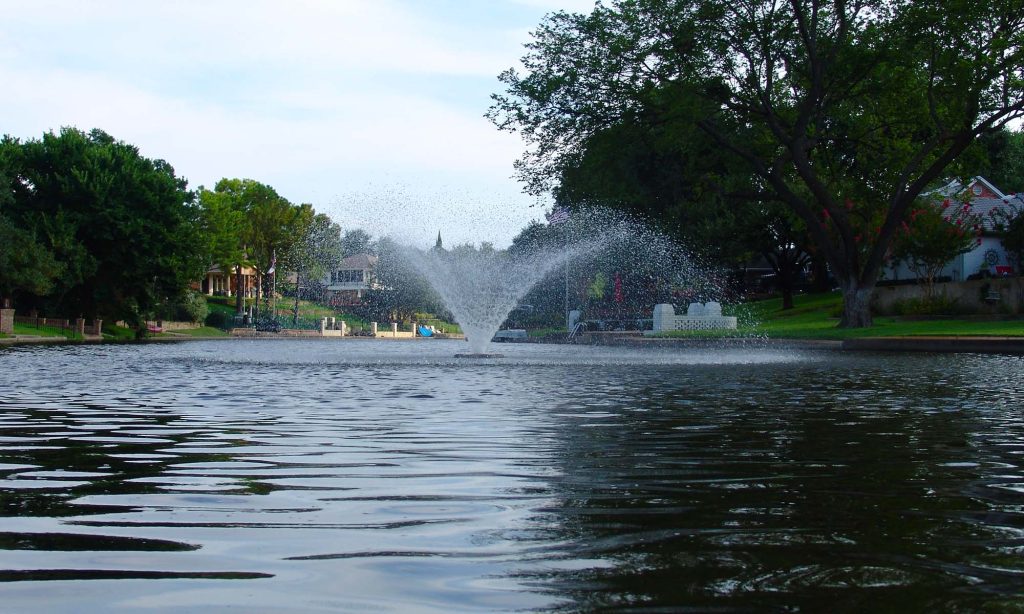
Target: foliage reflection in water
304, 476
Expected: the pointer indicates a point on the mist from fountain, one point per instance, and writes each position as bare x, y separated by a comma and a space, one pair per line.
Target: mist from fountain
482, 287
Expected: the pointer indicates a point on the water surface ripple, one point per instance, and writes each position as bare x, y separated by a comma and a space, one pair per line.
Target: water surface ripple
299, 476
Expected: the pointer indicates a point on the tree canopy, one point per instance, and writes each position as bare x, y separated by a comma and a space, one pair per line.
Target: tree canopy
247, 223
26, 266
843, 111
122, 226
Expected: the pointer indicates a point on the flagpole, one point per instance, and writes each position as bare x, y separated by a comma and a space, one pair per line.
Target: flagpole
273, 284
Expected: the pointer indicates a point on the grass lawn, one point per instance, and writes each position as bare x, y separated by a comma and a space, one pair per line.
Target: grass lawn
44, 331
112, 332
814, 316
205, 331
310, 313
443, 327
220, 306
307, 309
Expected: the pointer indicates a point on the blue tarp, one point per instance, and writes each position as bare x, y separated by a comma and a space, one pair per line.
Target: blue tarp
425, 332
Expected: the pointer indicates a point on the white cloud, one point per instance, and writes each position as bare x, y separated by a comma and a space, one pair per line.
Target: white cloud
320, 99
574, 6
342, 36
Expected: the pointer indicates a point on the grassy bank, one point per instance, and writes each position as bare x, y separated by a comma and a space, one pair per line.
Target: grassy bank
44, 331
205, 331
815, 316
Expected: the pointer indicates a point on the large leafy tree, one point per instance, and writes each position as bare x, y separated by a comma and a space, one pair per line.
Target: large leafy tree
26, 266
356, 241
275, 227
314, 255
249, 224
399, 290
123, 226
224, 229
844, 111
656, 164
998, 157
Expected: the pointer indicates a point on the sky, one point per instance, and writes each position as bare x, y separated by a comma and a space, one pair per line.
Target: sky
370, 110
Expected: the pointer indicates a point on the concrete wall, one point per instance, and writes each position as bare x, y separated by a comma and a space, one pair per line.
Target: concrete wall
170, 325
1000, 295
665, 319
7, 321
389, 334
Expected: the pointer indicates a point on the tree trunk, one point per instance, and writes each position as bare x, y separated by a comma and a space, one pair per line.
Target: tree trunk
295, 312
784, 275
787, 294
239, 300
820, 271
784, 264
856, 304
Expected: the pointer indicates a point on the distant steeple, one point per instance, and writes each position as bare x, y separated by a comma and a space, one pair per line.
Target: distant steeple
438, 245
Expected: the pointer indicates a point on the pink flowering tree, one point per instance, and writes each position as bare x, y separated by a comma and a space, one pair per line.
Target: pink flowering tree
932, 236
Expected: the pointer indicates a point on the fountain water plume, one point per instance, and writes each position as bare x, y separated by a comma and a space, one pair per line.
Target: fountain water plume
481, 287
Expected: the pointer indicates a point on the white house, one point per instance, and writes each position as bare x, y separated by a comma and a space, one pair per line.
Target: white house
989, 255
348, 283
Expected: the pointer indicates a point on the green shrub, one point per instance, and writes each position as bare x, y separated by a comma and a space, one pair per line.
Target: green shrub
193, 307
926, 306
220, 319
221, 300
189, 307
118, 332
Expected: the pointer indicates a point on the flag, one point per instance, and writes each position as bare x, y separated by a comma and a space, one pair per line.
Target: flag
273, 263
558, 215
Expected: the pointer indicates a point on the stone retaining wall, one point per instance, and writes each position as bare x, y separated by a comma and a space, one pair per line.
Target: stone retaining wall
973, 345
999, 295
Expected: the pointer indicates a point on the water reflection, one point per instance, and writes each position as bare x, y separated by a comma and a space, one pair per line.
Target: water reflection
347, 476
861, 479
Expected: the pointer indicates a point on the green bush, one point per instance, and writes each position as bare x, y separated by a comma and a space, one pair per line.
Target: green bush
220, 319
189, 307
119, 333
193, 307
221, 300
925, 306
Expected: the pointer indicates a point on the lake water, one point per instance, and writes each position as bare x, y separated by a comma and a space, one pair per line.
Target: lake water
355, 475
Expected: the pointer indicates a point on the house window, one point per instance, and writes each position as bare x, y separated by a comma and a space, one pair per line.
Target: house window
347, 276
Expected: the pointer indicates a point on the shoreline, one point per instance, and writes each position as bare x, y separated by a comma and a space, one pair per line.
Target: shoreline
954, 344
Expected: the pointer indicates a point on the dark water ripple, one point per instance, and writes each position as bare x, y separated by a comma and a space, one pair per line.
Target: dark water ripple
345, 476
